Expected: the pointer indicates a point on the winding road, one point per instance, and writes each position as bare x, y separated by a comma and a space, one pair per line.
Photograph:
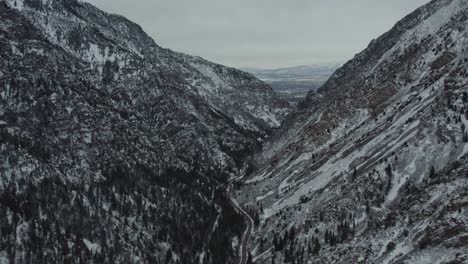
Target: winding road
244, 252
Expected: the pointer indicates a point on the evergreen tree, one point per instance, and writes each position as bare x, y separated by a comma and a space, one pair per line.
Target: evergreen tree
168, 256
249, 259
432, 173
317, 247
275, 242
354, 175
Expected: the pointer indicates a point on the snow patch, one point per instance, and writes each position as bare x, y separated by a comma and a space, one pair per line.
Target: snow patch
260, 198
93, 247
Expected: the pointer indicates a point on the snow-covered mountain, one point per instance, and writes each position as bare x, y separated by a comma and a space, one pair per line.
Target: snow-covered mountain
116, 150
373, 167
113, 149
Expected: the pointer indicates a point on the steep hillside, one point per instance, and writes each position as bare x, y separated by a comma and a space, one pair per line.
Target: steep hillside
370, 169
113, 149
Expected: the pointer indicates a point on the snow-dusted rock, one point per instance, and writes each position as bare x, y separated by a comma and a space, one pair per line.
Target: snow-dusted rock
359, 153
113, 149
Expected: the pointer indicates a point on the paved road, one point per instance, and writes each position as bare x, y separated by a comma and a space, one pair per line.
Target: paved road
244, 252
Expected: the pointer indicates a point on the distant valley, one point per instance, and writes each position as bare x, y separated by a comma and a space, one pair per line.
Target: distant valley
293, 84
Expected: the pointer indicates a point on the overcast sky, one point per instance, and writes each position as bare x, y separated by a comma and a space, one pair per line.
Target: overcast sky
264, 33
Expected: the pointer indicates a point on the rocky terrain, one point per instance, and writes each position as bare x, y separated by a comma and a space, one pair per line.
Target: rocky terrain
372, 168
116, 150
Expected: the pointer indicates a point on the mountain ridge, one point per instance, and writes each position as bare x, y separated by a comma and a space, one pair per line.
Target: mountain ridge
114, 149
387, 121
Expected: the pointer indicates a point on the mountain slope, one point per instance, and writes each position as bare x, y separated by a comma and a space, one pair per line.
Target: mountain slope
344, 170
115, 150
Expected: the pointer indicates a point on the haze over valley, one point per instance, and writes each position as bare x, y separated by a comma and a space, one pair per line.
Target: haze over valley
293, 84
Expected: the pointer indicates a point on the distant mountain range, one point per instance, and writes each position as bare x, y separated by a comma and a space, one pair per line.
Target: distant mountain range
294, 83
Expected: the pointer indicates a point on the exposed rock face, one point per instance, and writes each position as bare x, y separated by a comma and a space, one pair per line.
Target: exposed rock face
352, 167
113, 148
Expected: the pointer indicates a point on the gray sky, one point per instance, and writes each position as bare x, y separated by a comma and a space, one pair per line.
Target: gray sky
264, 33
